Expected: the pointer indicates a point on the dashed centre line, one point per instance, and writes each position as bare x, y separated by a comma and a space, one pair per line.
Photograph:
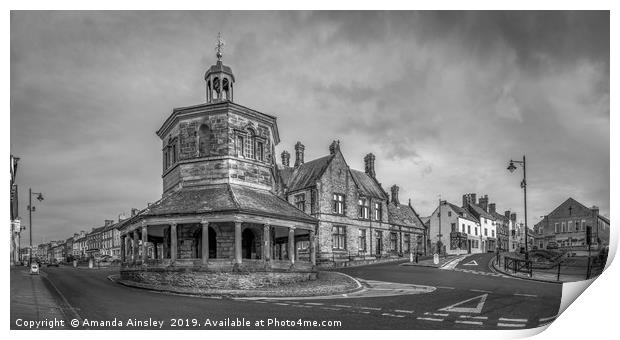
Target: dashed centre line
512, 320
478, 323
480, 291
527, 295
403, 311
429, 319
393, 315
514, 325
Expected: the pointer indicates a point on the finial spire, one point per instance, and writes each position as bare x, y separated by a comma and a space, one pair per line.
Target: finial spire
220, 46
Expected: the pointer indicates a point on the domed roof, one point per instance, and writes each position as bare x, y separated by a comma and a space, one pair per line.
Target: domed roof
219, 67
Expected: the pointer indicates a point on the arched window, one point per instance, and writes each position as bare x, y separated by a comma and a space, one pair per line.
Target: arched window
204, 140
240, 145
216, 88
225, 90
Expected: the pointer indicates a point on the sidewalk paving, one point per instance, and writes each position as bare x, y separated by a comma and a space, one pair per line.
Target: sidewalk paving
544, 275
31, 298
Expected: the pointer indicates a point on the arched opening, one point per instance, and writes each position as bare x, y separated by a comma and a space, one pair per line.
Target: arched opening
204, 140
225, 89
209, 93
212, 243
248, 244
216, 88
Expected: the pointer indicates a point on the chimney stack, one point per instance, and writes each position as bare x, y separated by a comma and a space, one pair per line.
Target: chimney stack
483, 202
134, 212
109, 222
492, 208
333, 147
299, 154
369, 165
513, 217
469, 199
286, 158
394, 190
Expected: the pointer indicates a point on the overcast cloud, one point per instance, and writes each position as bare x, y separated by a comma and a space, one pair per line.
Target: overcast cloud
443, 99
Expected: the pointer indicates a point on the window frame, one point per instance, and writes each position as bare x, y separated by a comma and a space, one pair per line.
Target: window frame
339, 237
338, 204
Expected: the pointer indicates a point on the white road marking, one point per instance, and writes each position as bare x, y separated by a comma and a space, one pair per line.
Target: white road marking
329, 308
479, 323
477, 309
281, 304
474, 317
480, 291
445, 287
548, 318
528, 295
512, 320
471, 263
371, 308
403, 311
260, 301
342, 306
436, 314
314, 303
430, 319
515, 325
393, 315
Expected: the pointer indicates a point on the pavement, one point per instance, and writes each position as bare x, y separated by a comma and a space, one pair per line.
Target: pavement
466, 297
33, 298
567, 273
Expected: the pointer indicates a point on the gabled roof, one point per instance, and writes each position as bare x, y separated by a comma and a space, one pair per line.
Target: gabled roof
499, 217
478, 211
307, 174
570, 201
285, 173
462, 212
605, 219
226, 198
403, 215
367, 185
96, 230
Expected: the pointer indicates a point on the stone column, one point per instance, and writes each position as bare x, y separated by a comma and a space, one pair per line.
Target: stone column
205, 242
145, 237
267, 243
291, 244
165, 245
128, 250
312, 248
123, 254
173, 242
134, 246
238, 242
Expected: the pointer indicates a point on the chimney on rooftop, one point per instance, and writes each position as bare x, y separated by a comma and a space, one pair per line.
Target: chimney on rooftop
333, 147
394, 190
469, 199
483, 202
109, 222
513, 217
286, 158
299, 154
369, 165
134, 212
492, 208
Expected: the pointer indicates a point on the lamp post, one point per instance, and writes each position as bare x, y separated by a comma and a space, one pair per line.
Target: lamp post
30, 210
512, 168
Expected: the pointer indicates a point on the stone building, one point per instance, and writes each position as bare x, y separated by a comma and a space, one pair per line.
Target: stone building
356, 223
565, 228
219, 210
94, 241
503, 226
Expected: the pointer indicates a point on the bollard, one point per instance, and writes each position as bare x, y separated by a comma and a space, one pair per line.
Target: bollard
410, 257
558, 271
416, 257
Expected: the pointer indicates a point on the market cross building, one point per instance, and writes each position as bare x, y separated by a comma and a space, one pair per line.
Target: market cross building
219, 211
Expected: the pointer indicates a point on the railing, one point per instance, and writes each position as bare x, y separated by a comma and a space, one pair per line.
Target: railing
517, 265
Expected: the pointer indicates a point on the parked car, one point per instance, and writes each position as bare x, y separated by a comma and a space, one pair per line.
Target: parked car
552, 245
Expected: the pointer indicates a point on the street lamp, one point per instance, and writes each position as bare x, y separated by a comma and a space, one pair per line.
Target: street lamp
31, 208
512, 167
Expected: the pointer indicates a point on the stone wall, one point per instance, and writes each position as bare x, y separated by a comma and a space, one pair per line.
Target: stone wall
215, 280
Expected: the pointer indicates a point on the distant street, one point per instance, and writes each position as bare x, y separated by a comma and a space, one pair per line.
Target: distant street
468, 297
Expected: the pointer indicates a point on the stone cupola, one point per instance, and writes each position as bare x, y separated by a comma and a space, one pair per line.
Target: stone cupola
219, 78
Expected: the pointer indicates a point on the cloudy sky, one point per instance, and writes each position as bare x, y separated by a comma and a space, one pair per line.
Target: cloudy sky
443, 99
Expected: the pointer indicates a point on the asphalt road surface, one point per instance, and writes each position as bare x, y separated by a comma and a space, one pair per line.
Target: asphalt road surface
470, 296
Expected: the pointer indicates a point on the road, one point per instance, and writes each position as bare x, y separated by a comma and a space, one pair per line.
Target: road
470, 296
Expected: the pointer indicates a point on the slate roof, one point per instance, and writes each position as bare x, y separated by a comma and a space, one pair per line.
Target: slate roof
97, 230
307, 174
499, 216
463, 213
285, 173
367, 185
403, 215
226, 198
479, 212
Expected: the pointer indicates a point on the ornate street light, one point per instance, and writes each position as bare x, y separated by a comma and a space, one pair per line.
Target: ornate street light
31, 208
512, 168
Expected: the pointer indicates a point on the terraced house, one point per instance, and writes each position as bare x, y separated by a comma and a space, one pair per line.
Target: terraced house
356, 223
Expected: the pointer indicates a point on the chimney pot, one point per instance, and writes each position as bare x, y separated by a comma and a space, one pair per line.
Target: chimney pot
299, 154
286, 158
492, 208
394, 190
369, 165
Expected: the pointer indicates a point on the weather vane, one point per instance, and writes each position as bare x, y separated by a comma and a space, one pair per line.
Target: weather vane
220, 46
